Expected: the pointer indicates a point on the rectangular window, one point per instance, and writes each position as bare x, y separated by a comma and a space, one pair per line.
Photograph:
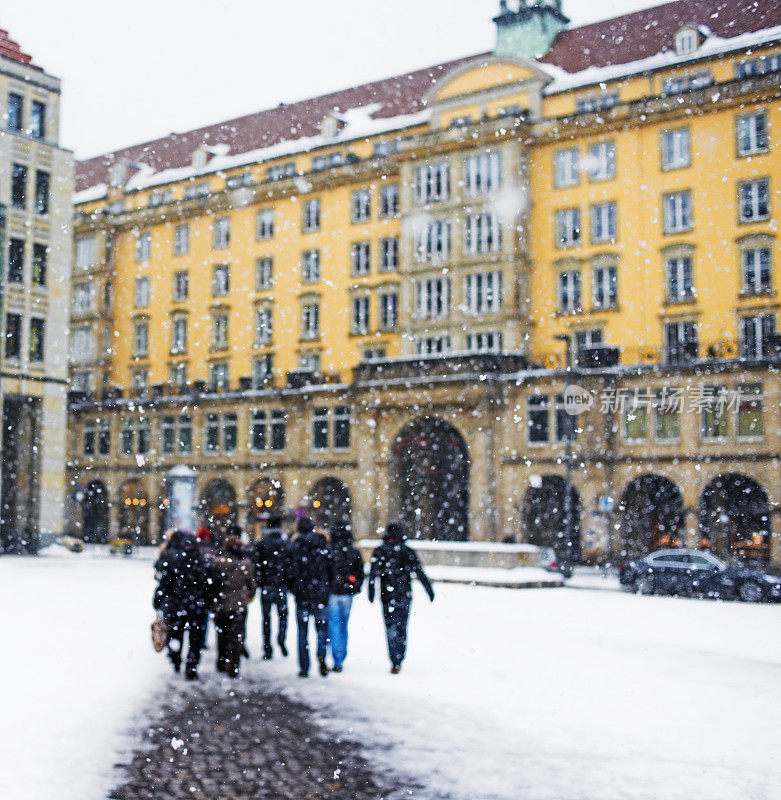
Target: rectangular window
220, 280
211, 433
221, 233
264, 224
263, 326
597, 102
678, 84
667, 415
360, 317
756, 270
140, 338
538, 418
181, 288
361, 206
604, 225
15, 115
262, 370
605, 287
37, 338
751, 423
127, 436
680, 284
432, 345
309, 362
264, 273
432, 298
142, 292
168, 435
389, 200
16, 260
185, 433
342, 425
181, 239
635, 422
586, 339
432, 242
752, 133
681, 342
567, 223
389, 254
81, 343
714, 415
220, 330
230, 432
143, 247
197, 190
89, 438
485, 342
13, 336
310, 321
566, 167
40, 260
37, 119
482, 173
754, 200
258, 431
677, 212
432, 183
86, 252
758, 66
389, 311
483, 293
360, 258
278, 429
18, 186
144, 441
602, 161
177, 374
139, 380
320, 428
310, 266
483, 234
179, 335
569, 298
311, 221
565, 422
277, 172
42, 185
756, 334
104, 437
676, 148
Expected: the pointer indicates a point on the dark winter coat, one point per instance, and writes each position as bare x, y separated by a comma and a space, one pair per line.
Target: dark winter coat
310, 570
270, 556
234, 583
394, 563
184, 588
348, 563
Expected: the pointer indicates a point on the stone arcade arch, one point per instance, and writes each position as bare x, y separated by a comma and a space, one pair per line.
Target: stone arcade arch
329, 503
95, 513
218, 507
650, 515
265, 497
544, 516
735, 517
431, 480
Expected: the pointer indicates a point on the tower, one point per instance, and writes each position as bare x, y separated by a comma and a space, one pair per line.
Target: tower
529, 30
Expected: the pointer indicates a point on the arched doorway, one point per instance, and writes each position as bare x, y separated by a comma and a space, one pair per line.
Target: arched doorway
431, 470
545, 512
95, 513
134, 513
329, 503
266, 497
735, 517
651, 515
218, 507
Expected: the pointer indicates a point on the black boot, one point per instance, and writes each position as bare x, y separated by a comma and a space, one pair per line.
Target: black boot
176, 660
191, 672
323, 666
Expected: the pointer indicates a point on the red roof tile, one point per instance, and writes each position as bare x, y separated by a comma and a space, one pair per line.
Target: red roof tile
613, 41
10, 49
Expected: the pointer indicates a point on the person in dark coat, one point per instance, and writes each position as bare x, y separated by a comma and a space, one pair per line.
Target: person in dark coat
234, 587
394, 563
182, 597
310, 575
270, 556
348, 579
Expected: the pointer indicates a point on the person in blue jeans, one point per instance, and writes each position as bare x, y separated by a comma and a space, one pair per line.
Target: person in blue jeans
311, 575
394, 564
348, 579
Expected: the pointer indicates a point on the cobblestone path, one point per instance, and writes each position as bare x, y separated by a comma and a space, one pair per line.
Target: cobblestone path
215, 741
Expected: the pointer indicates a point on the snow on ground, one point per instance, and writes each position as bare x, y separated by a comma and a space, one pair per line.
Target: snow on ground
505, 695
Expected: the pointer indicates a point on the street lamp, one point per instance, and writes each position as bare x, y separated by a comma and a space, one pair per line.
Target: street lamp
569, 428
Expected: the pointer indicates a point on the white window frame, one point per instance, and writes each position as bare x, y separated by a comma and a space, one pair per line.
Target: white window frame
143, 247
220, 280
754, 196
360, 258
264, 224
756, 270
432, 183
311, 215
361, 205
181, 239
482, 234
602, 161
751, 132
483, 293
432, 245
310, 320
221, 234
141, 293
432, 298
679, 278
179, 334
264, 325
482, 173
359, 323
264, 273
389, 311
678, 213
604, 222
675, 145
219, 330
566, 167
569, 297
604, 293
568, 228
310, 266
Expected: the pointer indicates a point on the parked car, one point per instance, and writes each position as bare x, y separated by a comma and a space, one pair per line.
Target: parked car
552, 563
693, 572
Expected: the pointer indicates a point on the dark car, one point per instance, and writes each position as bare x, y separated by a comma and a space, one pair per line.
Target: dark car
693, 572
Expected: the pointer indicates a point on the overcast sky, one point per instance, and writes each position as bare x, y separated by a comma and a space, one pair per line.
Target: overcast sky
138, 70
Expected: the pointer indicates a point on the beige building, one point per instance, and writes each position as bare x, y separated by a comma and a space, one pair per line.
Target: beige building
371, 317
36, 185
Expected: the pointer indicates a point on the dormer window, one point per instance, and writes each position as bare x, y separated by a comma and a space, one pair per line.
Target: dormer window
329, 127
687, 40
200, 157
118, 174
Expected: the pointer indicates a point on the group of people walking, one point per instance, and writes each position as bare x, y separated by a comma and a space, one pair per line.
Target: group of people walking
323, 570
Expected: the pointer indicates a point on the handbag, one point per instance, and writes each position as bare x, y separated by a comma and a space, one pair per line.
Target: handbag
159, 633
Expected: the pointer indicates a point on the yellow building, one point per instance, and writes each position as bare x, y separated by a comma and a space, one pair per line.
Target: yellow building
393, 293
